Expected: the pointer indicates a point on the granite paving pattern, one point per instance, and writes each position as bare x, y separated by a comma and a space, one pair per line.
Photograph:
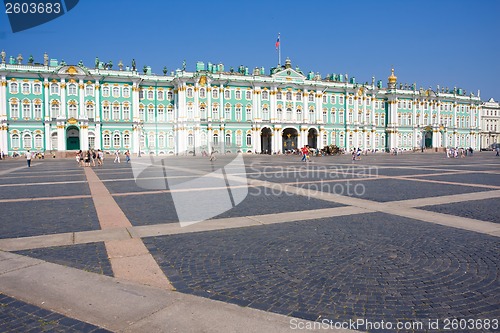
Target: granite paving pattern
374, 266
90, 257
18, 316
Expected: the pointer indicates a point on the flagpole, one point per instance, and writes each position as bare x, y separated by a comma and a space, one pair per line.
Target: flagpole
279, 50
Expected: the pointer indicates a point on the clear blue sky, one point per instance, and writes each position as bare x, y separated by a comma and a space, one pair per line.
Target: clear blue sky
431, 42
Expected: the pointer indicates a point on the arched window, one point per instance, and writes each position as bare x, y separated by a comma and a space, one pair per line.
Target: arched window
116, 92
227, 94
151, 141
38, 141
265, 94
54, 88
37, 88
237, 94
116, 139
91, 140
170, 95
215, 93
288, 114
216, 139
126, 140
105, 91
27, 141
265, 114
249, 139
15, 141
190, 140
126, 92
170, 141
26, 88
160, 95
161, 140
248, 95
14, 88
228, 139
202, 93
72, 89
189, 92
89, 90
151, 94
289, 96
106, 140
53, 141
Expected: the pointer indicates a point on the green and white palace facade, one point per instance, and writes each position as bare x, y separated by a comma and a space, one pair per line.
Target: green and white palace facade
54, 107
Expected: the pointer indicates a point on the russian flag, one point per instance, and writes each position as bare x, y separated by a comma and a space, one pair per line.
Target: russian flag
278, 42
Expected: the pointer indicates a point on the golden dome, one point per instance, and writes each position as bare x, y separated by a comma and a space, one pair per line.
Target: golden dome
393, 78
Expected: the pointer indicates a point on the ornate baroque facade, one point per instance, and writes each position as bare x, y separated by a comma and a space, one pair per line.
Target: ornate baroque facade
57, 107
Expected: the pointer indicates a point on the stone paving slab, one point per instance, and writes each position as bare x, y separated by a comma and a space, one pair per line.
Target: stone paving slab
19, 316
67, 178
90, 257
37, 190
470, 178
374, 266
385, 190
47, 217
485, 210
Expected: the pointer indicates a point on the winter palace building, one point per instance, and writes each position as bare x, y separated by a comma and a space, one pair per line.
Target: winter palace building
56, 107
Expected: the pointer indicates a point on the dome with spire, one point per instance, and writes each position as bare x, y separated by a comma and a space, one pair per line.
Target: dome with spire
393, 78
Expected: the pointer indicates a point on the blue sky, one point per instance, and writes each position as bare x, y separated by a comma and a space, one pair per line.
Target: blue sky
447, 43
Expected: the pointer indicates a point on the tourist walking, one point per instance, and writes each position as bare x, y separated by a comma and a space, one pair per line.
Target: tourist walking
212, 156
498, 151
127, 156
100, 157
28, 158
305, 153
117, 157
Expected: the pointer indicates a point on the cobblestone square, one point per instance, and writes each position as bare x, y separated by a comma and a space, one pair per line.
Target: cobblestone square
420, 243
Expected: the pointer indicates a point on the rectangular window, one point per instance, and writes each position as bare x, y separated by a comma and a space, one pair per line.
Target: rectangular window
116, 112
126, 112
105, 112
38, 111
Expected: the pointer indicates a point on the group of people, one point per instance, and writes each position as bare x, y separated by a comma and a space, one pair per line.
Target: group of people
88, 158
456, 152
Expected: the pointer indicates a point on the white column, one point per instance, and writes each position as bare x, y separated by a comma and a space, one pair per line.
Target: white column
305, 109
82, 114
61, 136
257, 142
319, 107
209, 102
272, 105
62, 110
98, 136
84, 136
3, 116
97, 109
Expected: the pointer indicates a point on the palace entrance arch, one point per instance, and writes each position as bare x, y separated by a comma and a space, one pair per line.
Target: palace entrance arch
290, 136
72, 138
266, 140
312, 138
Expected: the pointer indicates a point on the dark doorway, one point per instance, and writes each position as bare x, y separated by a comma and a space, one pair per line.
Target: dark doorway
312, 138
73, 138
266, 140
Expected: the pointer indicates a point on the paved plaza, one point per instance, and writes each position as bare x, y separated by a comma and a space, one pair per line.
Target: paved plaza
406, 243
